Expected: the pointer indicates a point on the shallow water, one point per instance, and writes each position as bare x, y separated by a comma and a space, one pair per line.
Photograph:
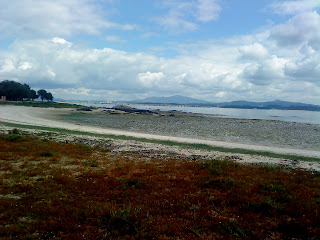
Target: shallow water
272, 114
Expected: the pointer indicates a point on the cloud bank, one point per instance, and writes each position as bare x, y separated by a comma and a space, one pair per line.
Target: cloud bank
45, 18
281, 61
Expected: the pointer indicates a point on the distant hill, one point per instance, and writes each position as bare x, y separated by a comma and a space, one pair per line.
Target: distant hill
177, 99
277, 104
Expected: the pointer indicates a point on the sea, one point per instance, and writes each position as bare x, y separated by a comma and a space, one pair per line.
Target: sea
264, 114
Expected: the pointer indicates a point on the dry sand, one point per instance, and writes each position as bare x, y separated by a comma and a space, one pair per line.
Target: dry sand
47, 117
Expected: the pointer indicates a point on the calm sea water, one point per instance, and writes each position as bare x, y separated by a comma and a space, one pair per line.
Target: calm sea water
282, 115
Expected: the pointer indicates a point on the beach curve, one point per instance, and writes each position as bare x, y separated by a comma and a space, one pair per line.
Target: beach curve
47, 117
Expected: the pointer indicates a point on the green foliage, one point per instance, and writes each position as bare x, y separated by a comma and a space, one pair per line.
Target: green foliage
15, 137
49, 96
15, 91
219, 166
84, 147
119, 223
14, 131
128, 183
32, 94
22, 148
43, 94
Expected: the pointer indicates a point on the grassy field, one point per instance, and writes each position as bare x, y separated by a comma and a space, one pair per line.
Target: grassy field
40, 104
53, 190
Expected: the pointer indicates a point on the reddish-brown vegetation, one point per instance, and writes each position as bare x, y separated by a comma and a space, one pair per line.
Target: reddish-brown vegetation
53, 190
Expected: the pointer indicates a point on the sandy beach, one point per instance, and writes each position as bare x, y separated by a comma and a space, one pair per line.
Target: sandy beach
48, 117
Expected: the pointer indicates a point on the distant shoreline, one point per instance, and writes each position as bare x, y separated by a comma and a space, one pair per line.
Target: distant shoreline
236, 113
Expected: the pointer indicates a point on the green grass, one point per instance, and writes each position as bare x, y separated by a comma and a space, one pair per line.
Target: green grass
40, 104
169, 143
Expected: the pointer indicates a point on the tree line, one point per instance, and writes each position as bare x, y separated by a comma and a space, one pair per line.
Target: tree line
15, 91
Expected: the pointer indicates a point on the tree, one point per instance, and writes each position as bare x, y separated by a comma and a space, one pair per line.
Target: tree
33, 94
14, 91
49, 96
42, 94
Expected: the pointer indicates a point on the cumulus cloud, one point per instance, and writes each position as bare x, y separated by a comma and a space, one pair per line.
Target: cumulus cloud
305, 70
150, 79
282, 62
220, 94
46, 18
304, 27
255, 51
88, 73
57, 65
59, 40
7, 65
266, 72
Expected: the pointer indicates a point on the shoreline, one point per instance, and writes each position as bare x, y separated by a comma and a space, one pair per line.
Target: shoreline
46, 117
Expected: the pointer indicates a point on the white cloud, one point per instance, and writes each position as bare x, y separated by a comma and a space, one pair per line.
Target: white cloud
50, 73
260, 66
59, 40
183, 16
265, 72
149, 79
25, 66
294, 7
7, 65
307, 69
207, 10
255, 51
113, 38
298, 29
28, 18
220, 94
175, 24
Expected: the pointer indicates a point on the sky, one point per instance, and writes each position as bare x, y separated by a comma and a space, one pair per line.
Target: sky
215, 50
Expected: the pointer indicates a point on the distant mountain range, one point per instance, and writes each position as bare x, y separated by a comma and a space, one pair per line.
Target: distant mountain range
181, 100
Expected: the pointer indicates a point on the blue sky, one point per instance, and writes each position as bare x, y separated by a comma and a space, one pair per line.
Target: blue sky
122, 50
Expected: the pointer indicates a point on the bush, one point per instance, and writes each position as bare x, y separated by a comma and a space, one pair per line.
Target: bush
15, 137
14, 131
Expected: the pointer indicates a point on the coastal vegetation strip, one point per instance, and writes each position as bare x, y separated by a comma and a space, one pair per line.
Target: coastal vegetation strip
168, 143
40, 104
62, 190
